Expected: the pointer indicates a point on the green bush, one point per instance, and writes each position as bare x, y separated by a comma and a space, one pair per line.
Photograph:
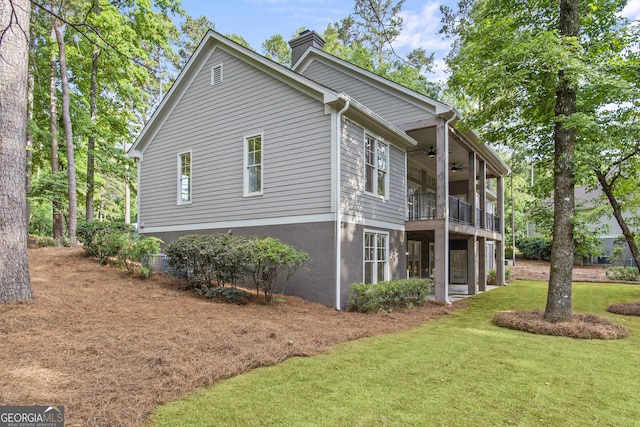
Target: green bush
213, 260
270, 258
104, 239
44, 241
187, 257
535, 247
627, 274
219, 293
133, 249
210, 259
385, 296
492, 276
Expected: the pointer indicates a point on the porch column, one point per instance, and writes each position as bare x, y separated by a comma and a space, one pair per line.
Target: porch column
472, 266
441, 234
483, 194
471, 191
482, 263
500, 243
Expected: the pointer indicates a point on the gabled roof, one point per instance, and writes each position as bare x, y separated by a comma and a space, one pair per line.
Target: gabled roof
441, 109
213, 40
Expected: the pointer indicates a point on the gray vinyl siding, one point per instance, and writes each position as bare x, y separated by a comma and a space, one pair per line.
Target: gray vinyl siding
211, 122
355, 201
368, 92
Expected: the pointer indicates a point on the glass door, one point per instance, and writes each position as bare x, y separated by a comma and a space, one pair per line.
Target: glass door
458, 267
414, 256
432, 260
413, 201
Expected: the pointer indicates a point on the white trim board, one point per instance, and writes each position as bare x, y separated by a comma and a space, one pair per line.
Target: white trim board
286, 220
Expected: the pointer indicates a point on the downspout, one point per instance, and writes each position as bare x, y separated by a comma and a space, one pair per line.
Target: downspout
337, 202
446, 210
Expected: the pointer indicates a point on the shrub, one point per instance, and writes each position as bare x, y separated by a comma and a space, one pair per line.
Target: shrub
270, 258
492, 276
206, 259
103, 239
219, 293
627, 274
134, 248
385, 296
217, 259
233, 258
44, 241
535, 247
188, 258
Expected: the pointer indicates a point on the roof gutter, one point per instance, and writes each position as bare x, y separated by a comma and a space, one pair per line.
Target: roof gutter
338, 142
446, 209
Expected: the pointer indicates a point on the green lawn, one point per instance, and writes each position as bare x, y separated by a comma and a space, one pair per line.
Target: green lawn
459, 370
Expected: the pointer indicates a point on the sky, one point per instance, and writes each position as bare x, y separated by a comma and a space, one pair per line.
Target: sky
258, 20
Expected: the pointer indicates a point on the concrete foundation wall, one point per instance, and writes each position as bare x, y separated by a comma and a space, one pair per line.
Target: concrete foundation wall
315, 281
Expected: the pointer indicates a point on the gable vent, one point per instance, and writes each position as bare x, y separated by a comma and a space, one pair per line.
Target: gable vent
216, 75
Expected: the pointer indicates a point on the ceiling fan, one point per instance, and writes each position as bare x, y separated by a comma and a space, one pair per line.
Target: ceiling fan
431, 152
456, 167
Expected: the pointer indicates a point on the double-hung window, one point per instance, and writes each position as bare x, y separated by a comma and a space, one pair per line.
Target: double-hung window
376, 256
253, 165
184, 178
376, 156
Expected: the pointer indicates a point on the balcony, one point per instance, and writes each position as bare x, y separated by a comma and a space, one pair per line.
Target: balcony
423, 207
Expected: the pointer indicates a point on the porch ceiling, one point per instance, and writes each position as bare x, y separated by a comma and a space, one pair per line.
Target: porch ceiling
458, 153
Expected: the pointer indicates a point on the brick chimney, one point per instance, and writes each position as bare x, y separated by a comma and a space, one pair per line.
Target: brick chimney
305, 40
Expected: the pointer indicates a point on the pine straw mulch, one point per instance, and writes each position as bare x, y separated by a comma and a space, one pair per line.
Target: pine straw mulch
586, 326
110, 348
629, 309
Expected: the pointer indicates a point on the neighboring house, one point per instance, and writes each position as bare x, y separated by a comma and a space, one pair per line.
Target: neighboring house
606, 228
366, 176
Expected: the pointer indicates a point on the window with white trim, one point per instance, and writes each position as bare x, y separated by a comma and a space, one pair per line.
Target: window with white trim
253, 165
376, 156
216, 75
184, 178
376, 256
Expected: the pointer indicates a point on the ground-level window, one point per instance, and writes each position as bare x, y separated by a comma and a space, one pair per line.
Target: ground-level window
376, 258
253, 165
184, 178
376, 156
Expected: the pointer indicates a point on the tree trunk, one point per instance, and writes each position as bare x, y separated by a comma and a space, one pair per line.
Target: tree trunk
91, 145
617, 213
55, 165
29, 138
562, 250
14, 54
68, 134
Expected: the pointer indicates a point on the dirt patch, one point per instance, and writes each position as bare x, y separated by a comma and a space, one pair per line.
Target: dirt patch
110, 348
586, 326
539, 270
629, 309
